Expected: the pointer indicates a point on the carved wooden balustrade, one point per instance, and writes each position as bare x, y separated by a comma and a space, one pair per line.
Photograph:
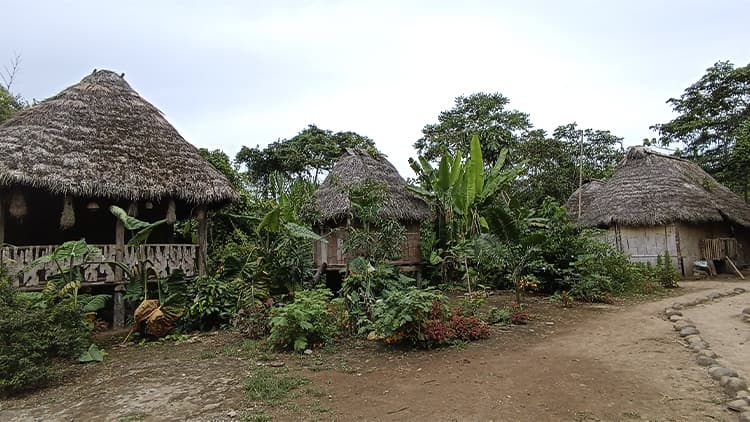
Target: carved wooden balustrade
162, 258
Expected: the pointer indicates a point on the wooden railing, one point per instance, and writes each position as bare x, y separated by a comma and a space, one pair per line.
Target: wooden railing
162, 258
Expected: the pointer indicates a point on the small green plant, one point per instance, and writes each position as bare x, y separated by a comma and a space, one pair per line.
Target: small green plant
498, 315
471, 304
304, 322
563, 298
666, 273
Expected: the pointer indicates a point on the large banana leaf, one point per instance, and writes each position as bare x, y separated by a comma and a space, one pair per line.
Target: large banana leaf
142, 229
456, 168
476, 161
443, 182
301, 232
271, 221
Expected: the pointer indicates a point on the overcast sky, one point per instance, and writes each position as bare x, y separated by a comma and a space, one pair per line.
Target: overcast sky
228, 74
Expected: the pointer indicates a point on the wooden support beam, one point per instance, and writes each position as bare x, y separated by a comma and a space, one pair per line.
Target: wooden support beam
118, 311
202, 240
2, 222
734, 267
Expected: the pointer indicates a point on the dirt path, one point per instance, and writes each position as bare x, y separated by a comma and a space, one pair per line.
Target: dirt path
623, 364
591, 363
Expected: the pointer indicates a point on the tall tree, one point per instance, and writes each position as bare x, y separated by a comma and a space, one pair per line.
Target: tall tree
309, 155
483, 114
553, 162
713, 114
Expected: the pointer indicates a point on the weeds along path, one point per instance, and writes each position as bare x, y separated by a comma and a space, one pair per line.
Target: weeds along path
617, 364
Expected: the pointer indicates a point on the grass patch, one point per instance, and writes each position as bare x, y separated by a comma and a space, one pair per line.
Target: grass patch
272, 387
257, 417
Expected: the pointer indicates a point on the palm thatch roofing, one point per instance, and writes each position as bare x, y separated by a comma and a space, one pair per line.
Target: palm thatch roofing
652, 189
100, 138
357, 166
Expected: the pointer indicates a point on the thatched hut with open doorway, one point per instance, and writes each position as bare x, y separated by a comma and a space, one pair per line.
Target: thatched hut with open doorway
98, 143
334, 208
655, 203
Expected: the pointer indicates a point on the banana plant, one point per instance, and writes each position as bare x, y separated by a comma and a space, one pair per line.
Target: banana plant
459, 188
158, 317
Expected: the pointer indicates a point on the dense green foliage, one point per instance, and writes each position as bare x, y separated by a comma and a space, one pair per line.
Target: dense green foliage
713, 124
9, 104
483, 114
304, 322
32, 337
307, 156
551, 163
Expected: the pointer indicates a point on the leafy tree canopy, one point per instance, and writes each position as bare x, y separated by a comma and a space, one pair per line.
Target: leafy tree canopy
308, 155
552, 162
9, 104
483, 114
712, 125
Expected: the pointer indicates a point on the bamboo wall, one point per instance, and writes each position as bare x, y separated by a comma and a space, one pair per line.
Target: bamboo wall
334, 256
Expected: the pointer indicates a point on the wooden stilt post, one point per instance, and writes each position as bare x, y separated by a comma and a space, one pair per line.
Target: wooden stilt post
118, 314
2, 222
202, 240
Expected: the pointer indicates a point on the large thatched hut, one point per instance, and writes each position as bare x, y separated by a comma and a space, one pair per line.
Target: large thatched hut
65, 160
334, 208
655, 203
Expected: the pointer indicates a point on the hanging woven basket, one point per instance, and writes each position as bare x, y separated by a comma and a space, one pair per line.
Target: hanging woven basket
68, 216
17, 207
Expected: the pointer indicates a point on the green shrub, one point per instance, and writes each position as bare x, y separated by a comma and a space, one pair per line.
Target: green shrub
666, 273
304, 322
212, 303
498, 315
402, 313
31, 337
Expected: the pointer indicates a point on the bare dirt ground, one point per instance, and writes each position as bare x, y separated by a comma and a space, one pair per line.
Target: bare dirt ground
619, 362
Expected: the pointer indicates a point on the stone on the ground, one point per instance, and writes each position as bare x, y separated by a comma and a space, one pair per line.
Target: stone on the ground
738, 405
744, 416
734, 384
677, 305
308, 352
276, 364
739, 290
705, 360
675, 318
746, 311
713, 295
742, 394
708, 353
679, 325
671, 311
687, 331
698, 347
718, 372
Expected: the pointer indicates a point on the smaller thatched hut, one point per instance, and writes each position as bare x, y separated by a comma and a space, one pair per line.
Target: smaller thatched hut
655, 203
334, 208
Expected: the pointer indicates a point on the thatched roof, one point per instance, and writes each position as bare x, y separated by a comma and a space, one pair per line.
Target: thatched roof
652, 189
100, 138
358, 166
